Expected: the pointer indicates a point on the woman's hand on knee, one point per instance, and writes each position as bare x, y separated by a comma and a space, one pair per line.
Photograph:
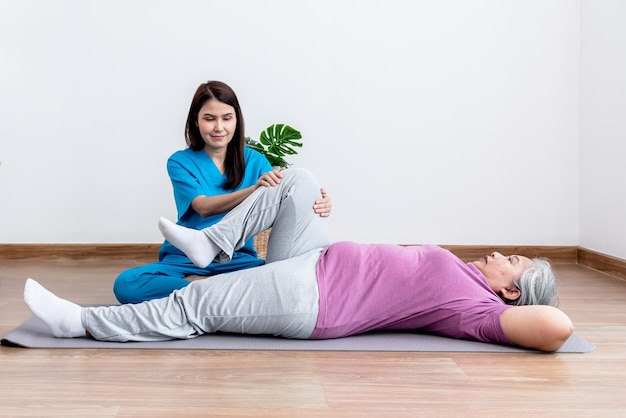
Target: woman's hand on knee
323, 206
269, 179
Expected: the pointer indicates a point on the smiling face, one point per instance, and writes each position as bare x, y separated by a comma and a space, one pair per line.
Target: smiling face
217, 123
500, 271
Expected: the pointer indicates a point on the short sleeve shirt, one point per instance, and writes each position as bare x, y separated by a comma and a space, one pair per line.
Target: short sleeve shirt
366, 287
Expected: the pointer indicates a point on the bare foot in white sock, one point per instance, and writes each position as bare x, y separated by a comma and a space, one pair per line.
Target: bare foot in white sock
195, 244
61, 316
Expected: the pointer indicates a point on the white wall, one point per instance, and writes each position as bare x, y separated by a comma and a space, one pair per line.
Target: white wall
603, 127
451, 122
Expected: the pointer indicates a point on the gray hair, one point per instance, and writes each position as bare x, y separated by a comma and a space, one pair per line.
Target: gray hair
537, 285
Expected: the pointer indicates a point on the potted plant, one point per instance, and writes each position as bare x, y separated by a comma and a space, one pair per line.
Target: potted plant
276, 142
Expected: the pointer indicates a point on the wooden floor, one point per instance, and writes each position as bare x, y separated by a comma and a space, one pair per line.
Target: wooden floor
135, 383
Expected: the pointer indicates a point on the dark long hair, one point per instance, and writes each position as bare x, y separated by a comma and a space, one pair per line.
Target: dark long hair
234, 165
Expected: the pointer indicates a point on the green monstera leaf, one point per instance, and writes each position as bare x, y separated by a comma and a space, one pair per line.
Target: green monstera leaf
276, 142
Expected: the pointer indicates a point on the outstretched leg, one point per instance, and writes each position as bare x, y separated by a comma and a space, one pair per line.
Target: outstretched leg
287, 208
279, 299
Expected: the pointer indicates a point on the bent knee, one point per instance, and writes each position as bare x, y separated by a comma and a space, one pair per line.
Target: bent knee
299, 174
124, 287
133, 286
140, 284
303, 180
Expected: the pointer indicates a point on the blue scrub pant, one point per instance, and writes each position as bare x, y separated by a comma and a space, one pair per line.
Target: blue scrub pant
159, 279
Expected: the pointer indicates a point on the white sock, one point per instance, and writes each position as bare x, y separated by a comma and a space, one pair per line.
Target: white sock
195, 244
61, 316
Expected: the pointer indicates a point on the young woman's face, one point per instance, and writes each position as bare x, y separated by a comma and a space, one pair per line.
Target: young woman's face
217, 123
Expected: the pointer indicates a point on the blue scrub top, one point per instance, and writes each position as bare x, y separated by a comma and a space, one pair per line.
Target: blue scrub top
194, 174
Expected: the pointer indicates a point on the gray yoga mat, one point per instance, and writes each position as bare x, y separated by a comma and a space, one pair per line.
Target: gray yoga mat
34, 334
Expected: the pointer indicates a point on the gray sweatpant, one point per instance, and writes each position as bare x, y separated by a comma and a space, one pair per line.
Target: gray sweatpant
280, 298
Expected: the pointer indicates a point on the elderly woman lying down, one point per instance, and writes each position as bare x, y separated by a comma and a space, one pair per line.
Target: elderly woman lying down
311, 288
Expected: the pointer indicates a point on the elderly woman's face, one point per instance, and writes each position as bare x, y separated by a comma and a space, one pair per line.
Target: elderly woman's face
500, 271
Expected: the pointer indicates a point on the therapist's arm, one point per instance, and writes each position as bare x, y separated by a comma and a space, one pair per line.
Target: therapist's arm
211, 205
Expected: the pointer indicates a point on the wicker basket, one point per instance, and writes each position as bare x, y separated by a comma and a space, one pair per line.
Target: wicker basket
260, 242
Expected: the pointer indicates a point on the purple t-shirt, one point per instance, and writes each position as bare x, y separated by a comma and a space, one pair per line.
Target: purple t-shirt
366, 287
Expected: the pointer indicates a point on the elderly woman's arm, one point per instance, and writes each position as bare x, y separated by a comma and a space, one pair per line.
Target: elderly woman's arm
540, 327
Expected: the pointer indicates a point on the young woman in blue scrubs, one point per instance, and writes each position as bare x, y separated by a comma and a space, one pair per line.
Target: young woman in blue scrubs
210, 177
